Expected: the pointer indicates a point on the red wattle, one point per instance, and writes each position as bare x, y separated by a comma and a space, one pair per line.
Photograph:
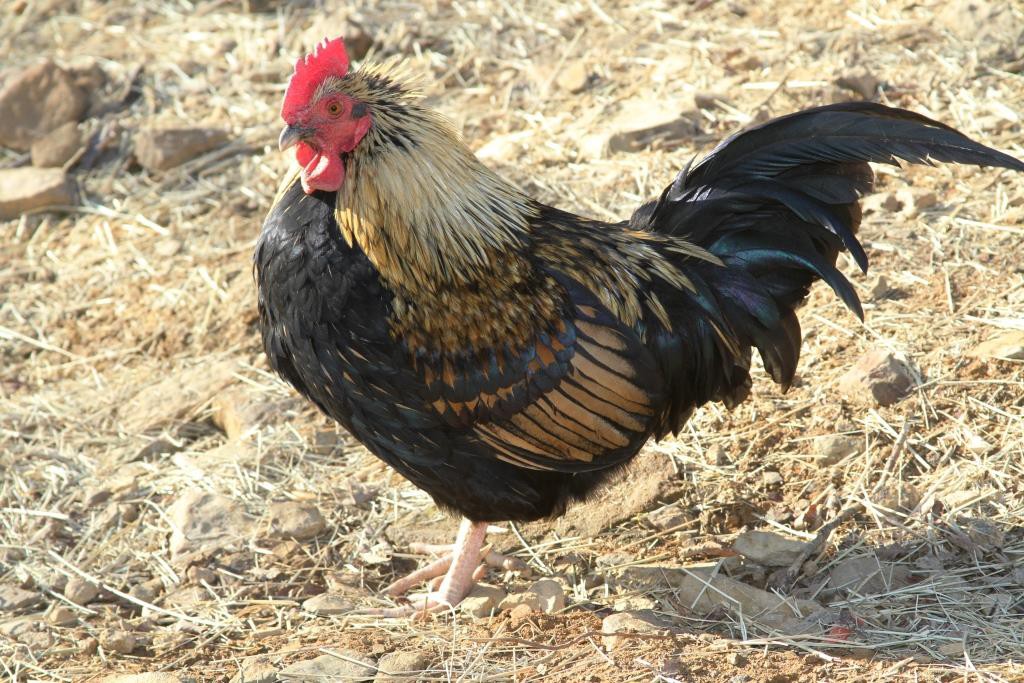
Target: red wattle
320, 171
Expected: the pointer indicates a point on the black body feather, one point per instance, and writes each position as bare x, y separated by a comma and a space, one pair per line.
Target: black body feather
519, 430
324, 316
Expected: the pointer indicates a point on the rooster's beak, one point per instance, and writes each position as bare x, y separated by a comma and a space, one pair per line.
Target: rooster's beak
291, 136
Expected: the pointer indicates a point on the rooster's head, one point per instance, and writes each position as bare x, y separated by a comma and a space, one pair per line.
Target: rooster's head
323, 121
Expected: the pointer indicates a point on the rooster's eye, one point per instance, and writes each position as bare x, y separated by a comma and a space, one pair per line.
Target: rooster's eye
333, 108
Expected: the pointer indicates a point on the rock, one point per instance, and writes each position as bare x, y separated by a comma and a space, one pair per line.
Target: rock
505, 148
167, 248
704, 592
13, 598
327, 604
482, 601
519, 613
768, 549
401, 665
908, 202
62, 615
80, 591
40, 99
593, 146
644, 123
834, 447
736, 659
573, 77
641, 621
201, 575
880, 288
513, 601
147, 591
88, 646
650, 478
867, 575
162, 149
771, 478
176, 395
29, 189
255, 670
28, 631
186, 597
155, 677
236, 413
57, 147
1004, 345
864, 84
550, 595
880, 377
300, 521
205, 520
118, 641
668, 517
354, 667
633, 603
87, 74
11, 555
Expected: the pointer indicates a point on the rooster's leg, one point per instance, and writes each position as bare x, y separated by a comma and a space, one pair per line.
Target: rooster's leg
460, 570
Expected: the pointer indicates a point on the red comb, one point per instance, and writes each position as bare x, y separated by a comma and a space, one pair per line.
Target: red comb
328, 58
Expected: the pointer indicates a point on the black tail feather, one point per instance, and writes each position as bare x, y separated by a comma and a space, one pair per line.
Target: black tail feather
776, 203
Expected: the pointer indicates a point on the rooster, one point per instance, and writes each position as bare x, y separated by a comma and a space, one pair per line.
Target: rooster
508, 357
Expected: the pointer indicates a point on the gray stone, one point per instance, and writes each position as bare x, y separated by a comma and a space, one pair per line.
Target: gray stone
162, 149
13, 598
327, 604
867, 575
550, 595
29, 189
645, 122
62, 615
57, 147
121, 642
767, 548
80, 591
834, 447
350, 666
573, 77
668, 517
482, 601
35, 102
704, 591
300, 521
167, 248
401, 665
880, 377
237, 413
255, 670
864, 84
640, 621
28, 631
203, 520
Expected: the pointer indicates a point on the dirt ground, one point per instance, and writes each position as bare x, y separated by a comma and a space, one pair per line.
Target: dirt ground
134, 394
